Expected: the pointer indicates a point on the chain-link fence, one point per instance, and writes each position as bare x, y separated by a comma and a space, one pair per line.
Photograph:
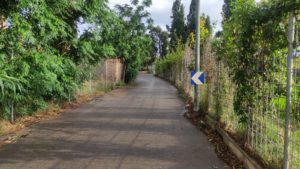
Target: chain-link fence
263, 132
295, 116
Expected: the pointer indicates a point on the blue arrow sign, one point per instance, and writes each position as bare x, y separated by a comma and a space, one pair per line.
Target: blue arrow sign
197, 78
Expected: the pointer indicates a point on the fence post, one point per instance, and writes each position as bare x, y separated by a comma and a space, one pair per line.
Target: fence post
105, 74
90, 80
288, 89
12, 113
69, 97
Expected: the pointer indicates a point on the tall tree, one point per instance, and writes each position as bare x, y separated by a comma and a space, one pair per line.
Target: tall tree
134, 44
191, 18
160, 42
42, 52
227, 9
208, 25
155, 33
164, 38
178, 27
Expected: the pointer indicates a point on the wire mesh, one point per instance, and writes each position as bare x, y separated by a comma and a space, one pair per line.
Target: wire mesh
294, 153
263, 134
265, 127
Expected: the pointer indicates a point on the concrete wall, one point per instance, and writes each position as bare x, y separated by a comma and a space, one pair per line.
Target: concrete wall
113, 70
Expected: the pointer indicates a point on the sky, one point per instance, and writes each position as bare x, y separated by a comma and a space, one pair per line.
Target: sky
161, 10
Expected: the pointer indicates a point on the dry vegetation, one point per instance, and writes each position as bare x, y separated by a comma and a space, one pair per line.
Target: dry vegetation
89, 91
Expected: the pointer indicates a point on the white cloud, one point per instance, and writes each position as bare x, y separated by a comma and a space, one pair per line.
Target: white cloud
112, 3
212, 8
161, 10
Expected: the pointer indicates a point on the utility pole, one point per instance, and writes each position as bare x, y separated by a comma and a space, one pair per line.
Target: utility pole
290, 57
197, 57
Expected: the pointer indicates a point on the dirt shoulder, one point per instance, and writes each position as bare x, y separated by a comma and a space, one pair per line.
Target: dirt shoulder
12, 132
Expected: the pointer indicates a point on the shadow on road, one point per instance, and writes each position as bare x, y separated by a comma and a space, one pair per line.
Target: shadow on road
133, 128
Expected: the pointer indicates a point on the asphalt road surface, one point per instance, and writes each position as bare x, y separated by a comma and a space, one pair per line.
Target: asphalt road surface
139, 127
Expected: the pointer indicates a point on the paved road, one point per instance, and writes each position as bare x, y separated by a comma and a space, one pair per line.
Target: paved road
140, 127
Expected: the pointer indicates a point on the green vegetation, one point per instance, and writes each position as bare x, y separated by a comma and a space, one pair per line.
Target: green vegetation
254, 35
166, 65
178, 27
191, 18
160, 42
253, 46
246, 72
43, 57
173, 62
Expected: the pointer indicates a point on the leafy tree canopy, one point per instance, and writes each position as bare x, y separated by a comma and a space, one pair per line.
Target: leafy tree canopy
43, 57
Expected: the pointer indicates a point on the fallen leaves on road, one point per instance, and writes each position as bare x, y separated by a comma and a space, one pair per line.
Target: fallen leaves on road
221, 148
11, 139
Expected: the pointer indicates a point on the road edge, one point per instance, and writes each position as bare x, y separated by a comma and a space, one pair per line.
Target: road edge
234, 148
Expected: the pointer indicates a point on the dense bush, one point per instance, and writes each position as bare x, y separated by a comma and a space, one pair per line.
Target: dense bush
173, 61
44, 58
254, 34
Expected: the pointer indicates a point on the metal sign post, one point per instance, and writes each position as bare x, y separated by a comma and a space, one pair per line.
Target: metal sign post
288, 91
197, 57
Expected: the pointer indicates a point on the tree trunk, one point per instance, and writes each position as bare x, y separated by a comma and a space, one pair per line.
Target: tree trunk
3, 23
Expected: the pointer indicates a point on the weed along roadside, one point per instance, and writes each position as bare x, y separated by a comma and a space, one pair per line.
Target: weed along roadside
251, 95
176, 69
100, 83
11, 132
236, 64
214, 136
47, 56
